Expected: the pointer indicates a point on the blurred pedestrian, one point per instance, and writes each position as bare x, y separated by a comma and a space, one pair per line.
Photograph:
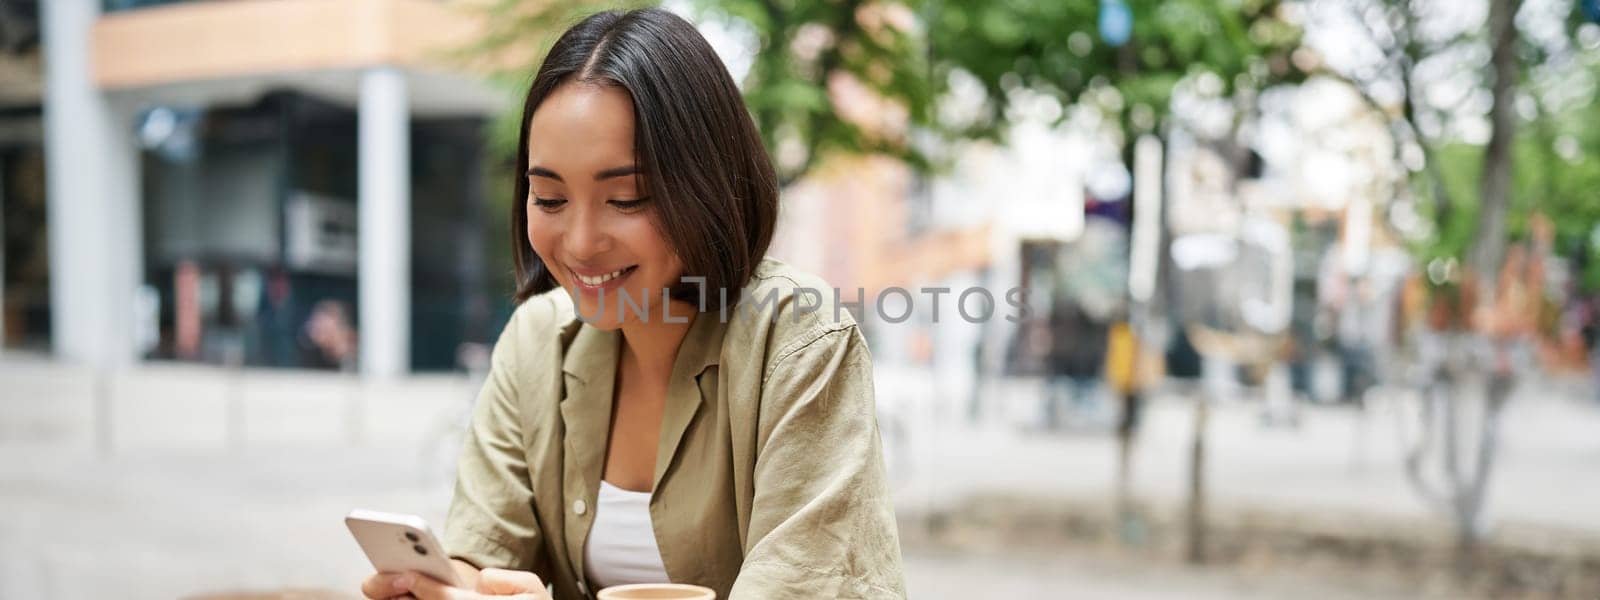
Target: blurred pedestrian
328, 340
187, 310
1509, 319
275, 322
1077, 353
1126, 377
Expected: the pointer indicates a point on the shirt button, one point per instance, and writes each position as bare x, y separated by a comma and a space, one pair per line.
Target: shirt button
579, 506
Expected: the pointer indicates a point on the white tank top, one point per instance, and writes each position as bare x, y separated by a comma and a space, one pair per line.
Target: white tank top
622, 545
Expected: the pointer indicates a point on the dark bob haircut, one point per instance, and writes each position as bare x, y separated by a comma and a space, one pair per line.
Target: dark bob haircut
715, 191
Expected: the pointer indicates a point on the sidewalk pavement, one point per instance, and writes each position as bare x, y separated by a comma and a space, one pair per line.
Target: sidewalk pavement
186, 407
171, 501
1340, 464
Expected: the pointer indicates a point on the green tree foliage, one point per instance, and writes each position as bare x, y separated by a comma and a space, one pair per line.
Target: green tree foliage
1554, 150
800, 46
1057, 48
905, 53
1557, 174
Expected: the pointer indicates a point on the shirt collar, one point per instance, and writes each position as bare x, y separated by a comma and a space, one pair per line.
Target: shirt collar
701, 347
592, 352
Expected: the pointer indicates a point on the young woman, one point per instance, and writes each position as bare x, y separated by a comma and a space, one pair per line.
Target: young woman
725, 435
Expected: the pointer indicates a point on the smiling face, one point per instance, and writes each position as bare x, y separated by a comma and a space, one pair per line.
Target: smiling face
589, 214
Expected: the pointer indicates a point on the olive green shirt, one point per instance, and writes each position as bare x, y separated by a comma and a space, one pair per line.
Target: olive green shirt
769, 478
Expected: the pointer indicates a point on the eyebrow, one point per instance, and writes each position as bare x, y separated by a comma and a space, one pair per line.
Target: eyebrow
610, 173
622, 171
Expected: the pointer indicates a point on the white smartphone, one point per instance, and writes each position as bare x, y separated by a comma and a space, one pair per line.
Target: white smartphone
396, 543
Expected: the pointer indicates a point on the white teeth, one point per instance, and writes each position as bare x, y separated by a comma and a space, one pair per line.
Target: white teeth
598, 279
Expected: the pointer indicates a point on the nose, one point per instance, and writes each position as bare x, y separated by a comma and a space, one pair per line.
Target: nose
586, 237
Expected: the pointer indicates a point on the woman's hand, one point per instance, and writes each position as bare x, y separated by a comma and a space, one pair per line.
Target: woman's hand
500, 584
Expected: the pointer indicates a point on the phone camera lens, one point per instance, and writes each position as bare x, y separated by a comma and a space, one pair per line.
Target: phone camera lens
412, 537
420, 550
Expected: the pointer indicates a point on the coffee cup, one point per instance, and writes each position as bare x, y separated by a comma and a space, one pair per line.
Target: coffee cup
657, 591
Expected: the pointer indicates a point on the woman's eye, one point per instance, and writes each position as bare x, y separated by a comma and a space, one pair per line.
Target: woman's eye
548, 203
629, 205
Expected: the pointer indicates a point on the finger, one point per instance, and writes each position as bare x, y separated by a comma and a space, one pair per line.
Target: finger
428, 588
505, 581
381, 586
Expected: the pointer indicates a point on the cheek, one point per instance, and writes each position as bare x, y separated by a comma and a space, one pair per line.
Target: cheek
647, 242
540, 235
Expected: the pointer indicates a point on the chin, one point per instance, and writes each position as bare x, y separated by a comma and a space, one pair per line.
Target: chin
616, 313
586, 311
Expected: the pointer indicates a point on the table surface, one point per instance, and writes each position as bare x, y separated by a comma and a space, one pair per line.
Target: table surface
301, 594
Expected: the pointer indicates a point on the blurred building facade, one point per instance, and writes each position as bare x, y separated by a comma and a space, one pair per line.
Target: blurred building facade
195, 185
1236, 223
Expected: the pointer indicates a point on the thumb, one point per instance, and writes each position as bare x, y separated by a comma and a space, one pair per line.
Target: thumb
504, 581
424, 587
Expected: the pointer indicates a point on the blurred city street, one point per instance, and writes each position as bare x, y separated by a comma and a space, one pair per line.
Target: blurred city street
1163, 298
1339, 462
177, 507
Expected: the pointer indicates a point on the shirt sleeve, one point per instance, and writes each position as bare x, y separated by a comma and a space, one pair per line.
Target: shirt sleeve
822, 522
491, 521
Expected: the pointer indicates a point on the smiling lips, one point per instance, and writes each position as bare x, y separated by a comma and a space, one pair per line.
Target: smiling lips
596, 282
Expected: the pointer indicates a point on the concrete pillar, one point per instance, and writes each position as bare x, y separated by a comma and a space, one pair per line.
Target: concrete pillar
384, 272
92, 181
2, 259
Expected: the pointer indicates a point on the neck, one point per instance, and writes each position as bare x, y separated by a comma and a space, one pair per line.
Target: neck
652, 345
